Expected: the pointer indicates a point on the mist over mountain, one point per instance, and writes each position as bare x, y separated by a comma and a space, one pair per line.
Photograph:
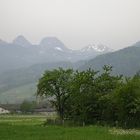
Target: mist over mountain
22, 63
21, 53
125, 61
21, 41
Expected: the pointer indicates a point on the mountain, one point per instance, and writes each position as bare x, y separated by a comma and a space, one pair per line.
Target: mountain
21, 53
52, 43
21, 41
97, 48
53, 46
18, 85
24, 76
2, 42
22, 63
13, 56
93, 50
125, 61
137, 44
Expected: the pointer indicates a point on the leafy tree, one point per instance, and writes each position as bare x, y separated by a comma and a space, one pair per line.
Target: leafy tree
81, 98
107, 109
106, 82
128, 100
55, 84
92, 97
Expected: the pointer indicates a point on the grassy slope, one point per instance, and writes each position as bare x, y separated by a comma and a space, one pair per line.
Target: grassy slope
18, 94
30, 128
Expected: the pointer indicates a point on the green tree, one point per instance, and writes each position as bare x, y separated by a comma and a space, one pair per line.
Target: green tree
81, 97
55, 84
91, 97
106, 82
128, 100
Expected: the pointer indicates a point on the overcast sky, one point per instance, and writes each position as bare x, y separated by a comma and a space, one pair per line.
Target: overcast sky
115, 23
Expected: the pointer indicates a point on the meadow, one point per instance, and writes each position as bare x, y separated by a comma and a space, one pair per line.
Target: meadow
30, 127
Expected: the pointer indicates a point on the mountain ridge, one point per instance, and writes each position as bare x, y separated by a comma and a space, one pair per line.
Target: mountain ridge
23, 80
21, 41
124, 61
21, 53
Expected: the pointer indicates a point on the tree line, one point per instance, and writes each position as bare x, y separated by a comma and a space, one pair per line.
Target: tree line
93, 97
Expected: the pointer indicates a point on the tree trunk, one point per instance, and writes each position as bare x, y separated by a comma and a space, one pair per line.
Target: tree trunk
83, 123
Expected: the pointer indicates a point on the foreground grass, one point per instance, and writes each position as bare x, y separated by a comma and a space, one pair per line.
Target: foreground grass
31, 128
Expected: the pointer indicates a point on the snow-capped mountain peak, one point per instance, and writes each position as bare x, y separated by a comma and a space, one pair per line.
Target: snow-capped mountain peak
95, 47
53, 43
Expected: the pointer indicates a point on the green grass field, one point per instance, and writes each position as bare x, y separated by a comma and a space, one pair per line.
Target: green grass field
31, 128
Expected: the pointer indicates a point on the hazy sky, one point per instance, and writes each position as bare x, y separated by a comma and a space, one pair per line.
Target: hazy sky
115, 23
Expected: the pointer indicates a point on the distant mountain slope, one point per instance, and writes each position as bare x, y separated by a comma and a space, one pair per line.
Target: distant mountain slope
13, 57
22, 82
22, 63
29, 75
125, 61
137, 44
21, 53
22, 41
19, 94
18, 85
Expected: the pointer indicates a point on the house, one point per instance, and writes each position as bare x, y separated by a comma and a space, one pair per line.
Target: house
4, 111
